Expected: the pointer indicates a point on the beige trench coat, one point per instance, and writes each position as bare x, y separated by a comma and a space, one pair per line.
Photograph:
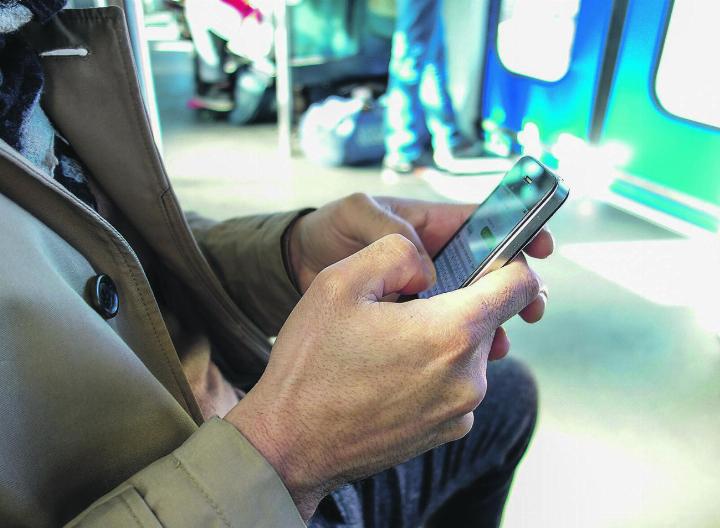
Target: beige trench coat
98, 426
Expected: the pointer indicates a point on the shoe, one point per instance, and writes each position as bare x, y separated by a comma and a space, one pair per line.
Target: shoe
402, 167
467, 149
213, 97
471, 157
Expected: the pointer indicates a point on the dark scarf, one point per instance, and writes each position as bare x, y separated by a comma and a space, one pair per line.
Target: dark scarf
21, 80
21, 84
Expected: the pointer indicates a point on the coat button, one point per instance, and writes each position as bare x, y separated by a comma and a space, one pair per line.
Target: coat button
104, 296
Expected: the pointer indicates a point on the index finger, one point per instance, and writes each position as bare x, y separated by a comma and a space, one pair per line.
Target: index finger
435, 222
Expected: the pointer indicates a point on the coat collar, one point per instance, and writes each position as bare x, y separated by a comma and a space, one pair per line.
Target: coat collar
94, 100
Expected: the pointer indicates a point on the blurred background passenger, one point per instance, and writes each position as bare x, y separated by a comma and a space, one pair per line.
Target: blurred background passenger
419, 110
220, 28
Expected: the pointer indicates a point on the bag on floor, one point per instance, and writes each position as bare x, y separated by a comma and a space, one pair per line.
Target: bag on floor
343, 131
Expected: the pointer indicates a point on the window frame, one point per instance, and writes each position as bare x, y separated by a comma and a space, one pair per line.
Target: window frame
526, 76
659, 48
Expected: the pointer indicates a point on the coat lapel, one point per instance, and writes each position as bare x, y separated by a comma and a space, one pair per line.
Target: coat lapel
139, 322
95, 102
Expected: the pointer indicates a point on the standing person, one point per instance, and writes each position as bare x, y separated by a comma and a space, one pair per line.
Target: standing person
419, 110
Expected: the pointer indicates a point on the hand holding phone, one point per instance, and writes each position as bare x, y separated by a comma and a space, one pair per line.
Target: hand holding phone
500, 227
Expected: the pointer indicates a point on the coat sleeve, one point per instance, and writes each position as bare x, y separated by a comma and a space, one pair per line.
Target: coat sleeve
247, 255
216, 478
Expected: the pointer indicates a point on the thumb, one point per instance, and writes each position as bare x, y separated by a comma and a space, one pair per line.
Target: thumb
389, 265
494, 298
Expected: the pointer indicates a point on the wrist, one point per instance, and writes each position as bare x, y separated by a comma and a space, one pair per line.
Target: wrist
292, 244
294, 248
283, 448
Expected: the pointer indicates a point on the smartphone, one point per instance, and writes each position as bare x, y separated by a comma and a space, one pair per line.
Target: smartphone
521, 204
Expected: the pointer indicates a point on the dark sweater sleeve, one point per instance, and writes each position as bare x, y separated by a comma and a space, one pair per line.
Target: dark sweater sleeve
246, 253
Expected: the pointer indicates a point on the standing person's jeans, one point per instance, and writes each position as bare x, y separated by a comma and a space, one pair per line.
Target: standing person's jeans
460, 484
418, 101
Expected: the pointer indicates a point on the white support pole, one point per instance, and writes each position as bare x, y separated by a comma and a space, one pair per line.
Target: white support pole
283, 79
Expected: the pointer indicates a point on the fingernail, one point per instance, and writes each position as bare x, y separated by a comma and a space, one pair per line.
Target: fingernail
544, 292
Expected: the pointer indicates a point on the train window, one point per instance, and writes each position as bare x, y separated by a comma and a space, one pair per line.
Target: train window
687, 82
535, 37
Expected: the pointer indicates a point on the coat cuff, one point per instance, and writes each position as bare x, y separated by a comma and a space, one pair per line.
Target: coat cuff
247, 255
216, 475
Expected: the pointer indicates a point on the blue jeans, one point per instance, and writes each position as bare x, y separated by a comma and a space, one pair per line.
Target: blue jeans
418, 103
460, 484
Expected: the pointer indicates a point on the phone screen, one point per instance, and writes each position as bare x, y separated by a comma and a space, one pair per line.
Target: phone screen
522, 189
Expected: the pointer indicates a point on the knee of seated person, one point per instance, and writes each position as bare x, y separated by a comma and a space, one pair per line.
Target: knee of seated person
513, 391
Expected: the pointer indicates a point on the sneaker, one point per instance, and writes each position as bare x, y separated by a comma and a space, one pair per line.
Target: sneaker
471, 157
402, 167
468, 149
215, 98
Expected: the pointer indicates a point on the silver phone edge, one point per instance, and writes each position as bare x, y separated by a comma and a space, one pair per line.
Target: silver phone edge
526, 229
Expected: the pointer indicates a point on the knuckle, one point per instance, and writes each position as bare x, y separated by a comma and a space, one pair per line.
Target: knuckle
461, 426
359, 200
470, 397
330, 283
398, 225
405, 249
